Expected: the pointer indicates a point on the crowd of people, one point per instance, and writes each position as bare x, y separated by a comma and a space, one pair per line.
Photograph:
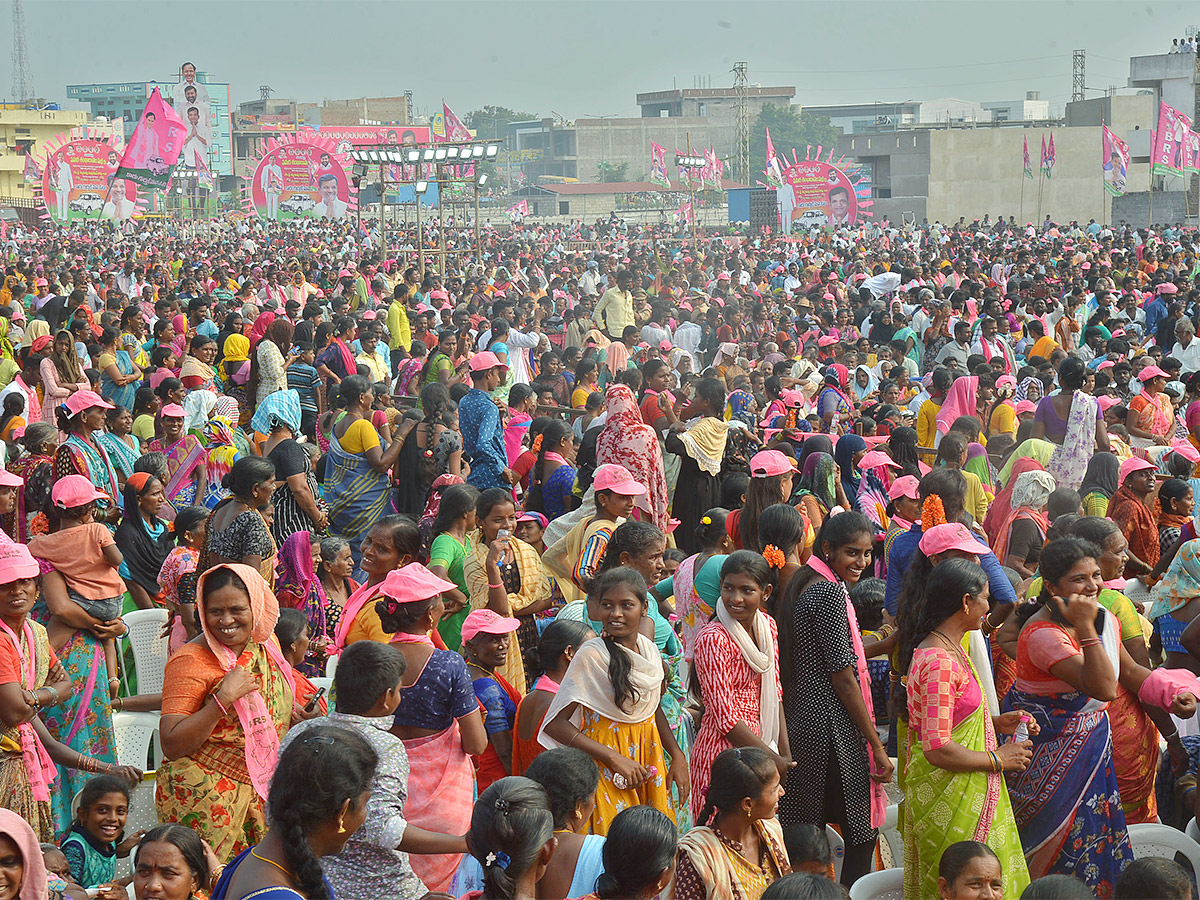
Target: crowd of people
640, 567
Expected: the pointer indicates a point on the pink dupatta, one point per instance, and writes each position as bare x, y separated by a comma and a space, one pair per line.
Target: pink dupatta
354, 604
878, 797
38, 763
258, 726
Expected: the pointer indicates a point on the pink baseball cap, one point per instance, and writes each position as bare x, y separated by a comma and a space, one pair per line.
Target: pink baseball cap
794, 397
1025, 406
1152, 371
81, 400
75, 490
485, 360
664, 345
1107, 364
413, 583
16, 562
8, 479
618, 480
905, 486
485, 621
1183, 448
769, 463
951, 536
173, 411
1131, 465
1106, 402
533, 517
369, 316
874, 458
826, 340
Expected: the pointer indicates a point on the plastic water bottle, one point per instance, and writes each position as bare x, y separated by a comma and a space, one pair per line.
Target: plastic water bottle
1022, 732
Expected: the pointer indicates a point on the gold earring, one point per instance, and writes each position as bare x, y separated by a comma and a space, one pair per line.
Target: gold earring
341, 825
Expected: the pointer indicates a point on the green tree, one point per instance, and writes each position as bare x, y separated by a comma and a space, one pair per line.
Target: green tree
493, 121
790, 130
607, 172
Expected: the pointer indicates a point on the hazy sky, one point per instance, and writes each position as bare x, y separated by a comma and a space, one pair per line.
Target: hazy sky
591, 58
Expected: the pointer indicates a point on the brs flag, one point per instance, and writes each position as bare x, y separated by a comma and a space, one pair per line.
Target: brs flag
452, 127
1050, 157
1170, 149
518, 210
683, 215
155, 147
204, 174
775, 170
32, 175
658, 165
1028, 161
1114, 161
685, 177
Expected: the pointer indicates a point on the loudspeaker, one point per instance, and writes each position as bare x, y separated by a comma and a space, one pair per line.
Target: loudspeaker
764, 211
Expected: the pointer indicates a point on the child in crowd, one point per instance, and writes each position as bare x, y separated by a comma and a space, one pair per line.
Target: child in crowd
867, 596
178, 574
291, 630
808, 850
530, 528
97, 836
85, 559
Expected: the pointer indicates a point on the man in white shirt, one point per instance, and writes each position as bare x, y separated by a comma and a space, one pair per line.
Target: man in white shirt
1187, 348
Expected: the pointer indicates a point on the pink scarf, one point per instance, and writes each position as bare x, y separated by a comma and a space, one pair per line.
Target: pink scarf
547, 684
878, 797
404, 637
38, 763
258, 726
354, 604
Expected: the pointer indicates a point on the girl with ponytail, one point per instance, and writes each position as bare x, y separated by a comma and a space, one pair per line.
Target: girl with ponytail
552, 477
318, 799
512, 837
608, 705
954, 763
739, 810
736, 674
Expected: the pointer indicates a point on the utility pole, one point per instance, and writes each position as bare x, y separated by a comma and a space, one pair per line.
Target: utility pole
1078, 70
741, 143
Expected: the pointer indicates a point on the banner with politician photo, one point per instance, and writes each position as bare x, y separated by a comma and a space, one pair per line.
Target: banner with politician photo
1115, 160
300, 181
77, 179
816, 195
155, 147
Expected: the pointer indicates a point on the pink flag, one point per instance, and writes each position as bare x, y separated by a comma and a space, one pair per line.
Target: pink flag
658, 165
774, 170
155, 147
455, 129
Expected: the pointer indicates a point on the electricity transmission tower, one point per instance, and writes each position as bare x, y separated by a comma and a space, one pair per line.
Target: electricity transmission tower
1078, 68
741, 143
22, 77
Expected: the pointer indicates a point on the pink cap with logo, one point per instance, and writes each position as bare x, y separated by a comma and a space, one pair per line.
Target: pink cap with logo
485, 621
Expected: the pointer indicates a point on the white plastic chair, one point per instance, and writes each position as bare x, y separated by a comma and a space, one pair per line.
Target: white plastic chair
837, 848
137, 742
1151, 839
885, 885
149, 647
331, 666
891, 842
326, 683
1192, 830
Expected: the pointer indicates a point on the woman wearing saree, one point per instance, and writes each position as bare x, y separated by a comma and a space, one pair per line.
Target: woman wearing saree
120, 377
954, 787
120, 442
834, 406
197, 371
626, 440
1099, 484
186, 480
1069, 662
82, 418
62, 375
356, 475
234, 374
220, 453
819, 490
1071, 420
227, 701
1151, 418
36, 469
1132, 509
847, 454
236, 530
298, 587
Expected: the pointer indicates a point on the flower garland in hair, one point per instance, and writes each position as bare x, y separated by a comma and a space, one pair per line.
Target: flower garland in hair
932, 512
774, 556
537, 444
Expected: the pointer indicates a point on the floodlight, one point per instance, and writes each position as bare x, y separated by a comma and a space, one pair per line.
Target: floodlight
414, 156
492, 150
428, 154
422, 186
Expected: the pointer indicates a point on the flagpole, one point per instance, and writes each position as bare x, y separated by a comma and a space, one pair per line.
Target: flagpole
692, 193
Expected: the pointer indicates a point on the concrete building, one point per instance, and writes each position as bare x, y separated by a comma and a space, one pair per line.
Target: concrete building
24, 131
593, 201
357, 111
255, 123
1032, 109
714, 103
862, 118
124, 101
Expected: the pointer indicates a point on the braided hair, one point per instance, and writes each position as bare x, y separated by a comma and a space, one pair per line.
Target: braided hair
318, 773
510, 824
619, 665
737, 773
552, 435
